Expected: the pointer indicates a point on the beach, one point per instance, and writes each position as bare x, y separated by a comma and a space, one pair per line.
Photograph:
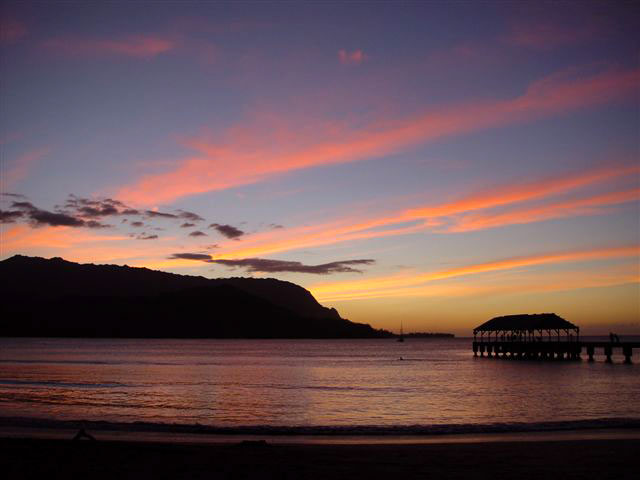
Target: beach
49, 458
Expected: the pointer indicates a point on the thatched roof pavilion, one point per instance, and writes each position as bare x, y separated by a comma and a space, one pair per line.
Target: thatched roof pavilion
525, 326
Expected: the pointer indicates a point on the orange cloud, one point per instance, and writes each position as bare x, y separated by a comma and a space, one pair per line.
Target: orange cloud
21, 166
255, 152
351, 58
582, 206
141, 46
547, 282
79, 245
21, 237
438, 218
397, 285
525, 191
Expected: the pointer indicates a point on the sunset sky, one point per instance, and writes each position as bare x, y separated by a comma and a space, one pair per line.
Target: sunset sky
431, 163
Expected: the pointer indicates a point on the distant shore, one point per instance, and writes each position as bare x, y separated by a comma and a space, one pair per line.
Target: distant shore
567, 459
427, 335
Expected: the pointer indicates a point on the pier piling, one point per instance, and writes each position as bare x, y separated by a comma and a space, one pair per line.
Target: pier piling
627, 352
552, 350
608, 351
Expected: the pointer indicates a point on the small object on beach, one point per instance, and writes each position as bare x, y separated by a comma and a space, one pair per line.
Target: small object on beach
253, 443
82, 433
401, 358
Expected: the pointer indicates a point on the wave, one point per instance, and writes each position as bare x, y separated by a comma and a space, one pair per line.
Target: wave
55, 383
327, 430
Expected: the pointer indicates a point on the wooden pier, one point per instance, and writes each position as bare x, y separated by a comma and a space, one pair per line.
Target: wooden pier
543, 336
552, 350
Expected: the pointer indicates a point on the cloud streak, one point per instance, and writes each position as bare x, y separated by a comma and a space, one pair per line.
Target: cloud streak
355, 57
11, 30
264, 265
255, 158
136, 46
584, 206
20, 168
470, 212
399, 285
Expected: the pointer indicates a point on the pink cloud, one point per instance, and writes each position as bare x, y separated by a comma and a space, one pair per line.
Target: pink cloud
526, 191
400, 284
139, 46
351, 58
546, 34
11, 31
21, 166
253, 152
456, 216
591, 205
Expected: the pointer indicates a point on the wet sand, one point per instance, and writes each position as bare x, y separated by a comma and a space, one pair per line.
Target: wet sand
566, 459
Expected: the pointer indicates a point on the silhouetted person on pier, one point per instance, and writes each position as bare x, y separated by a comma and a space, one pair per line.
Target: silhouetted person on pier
614, 337
82, 433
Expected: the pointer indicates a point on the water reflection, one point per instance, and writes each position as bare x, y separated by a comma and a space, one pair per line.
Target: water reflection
287, 382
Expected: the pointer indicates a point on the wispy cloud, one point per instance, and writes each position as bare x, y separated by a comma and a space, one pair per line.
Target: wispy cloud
355, 57
254, 156
583, 206
401, 284
548, 33
138, 46
157, 214
265, 265
510, 193
274, 266
470, 212
21, 166
11, 30
202, 257
146, 236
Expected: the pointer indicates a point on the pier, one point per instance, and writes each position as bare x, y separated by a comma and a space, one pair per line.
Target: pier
544, 336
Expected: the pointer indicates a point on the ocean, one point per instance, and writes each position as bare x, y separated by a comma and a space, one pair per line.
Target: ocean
308, 386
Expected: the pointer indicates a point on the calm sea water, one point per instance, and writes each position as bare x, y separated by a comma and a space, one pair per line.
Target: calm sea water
304, 383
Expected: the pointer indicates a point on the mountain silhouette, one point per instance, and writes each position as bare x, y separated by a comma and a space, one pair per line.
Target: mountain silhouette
58, 298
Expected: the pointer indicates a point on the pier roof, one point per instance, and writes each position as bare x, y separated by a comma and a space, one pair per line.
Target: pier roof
535, 321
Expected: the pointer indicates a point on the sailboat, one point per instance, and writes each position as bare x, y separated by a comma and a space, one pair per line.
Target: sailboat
401, 337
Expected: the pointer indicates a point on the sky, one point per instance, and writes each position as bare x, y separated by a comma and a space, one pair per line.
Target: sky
430, 163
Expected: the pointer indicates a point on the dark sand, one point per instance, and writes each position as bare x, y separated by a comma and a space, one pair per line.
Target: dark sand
579, 459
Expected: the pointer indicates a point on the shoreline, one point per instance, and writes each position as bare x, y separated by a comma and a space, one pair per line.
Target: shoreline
191, 438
